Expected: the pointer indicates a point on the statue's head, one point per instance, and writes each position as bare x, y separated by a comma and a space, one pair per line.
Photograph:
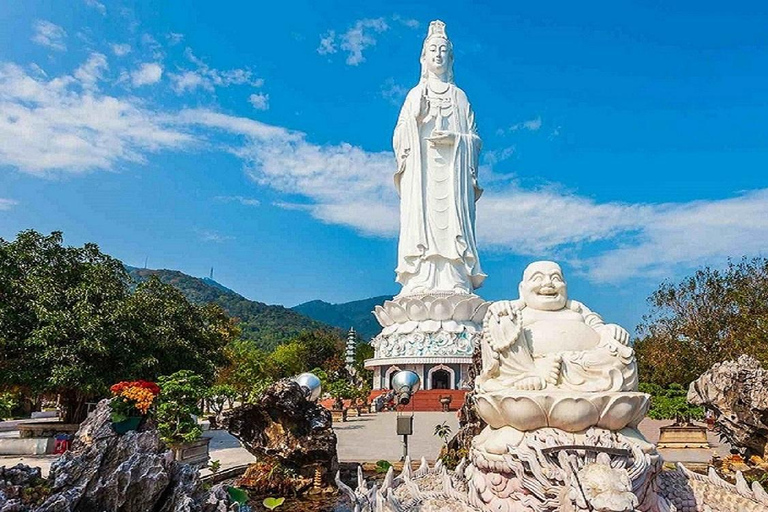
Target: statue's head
543, 286
437, 53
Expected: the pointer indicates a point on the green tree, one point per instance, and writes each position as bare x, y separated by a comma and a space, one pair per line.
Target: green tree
245, 370
178, 401
70, 325
706, 318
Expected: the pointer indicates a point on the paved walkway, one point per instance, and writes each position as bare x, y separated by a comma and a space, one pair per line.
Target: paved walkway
373, 437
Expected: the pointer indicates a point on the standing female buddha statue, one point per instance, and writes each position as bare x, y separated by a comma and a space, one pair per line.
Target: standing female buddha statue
437, 147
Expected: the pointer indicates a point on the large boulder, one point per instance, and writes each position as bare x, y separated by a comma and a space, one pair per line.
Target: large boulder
737, 392
133, 472
285, 426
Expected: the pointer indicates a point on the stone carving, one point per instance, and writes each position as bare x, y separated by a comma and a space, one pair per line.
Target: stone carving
543, 340
285, 425
737, 392
424, 344
103, 471
604, 488
558, 391
431, 312
436, 146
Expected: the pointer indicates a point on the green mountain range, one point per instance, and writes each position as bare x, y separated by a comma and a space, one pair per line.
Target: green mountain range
267, 326
355, 314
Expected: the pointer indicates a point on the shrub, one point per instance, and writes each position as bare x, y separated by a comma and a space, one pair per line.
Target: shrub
178, 403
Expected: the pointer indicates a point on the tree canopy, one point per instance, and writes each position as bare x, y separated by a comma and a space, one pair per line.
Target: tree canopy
708, 317
70, 324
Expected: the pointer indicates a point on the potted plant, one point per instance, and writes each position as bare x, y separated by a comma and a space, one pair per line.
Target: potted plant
131, 402
671, 403
177, 410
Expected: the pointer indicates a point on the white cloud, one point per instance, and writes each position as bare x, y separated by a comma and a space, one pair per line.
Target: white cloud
327, 43
64, 124
121, 49
260, 101
92, 70
147, 74
687, 235
356, 39
408, 22
175, 38
208, 78
245, 201
7, 204
67, 124
49, 35
213, 236
97, 5
393, 92
531, 125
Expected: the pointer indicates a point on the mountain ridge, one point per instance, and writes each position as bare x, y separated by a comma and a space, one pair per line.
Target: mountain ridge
356, 313
266, 325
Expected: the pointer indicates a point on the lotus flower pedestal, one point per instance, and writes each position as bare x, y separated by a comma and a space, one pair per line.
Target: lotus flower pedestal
425, 333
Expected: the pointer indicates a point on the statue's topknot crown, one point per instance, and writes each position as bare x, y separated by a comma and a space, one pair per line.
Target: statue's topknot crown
437, 29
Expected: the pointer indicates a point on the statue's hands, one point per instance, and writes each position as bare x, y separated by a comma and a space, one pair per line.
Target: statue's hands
502, 308
617, 333
441, 138
423, 111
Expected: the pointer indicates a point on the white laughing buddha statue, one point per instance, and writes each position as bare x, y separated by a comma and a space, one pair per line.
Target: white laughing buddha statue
543, 341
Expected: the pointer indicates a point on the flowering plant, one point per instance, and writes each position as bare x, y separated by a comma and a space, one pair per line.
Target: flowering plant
132, 398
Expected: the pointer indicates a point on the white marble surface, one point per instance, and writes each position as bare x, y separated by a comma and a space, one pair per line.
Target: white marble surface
436, 147
543, 340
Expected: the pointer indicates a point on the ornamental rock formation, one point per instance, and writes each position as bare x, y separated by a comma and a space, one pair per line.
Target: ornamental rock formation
737, 392
133, 472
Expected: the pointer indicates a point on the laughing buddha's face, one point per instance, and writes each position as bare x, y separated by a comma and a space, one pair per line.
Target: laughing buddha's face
543, 286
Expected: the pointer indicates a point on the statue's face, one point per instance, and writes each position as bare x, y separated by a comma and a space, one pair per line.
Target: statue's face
543, 286
437, 55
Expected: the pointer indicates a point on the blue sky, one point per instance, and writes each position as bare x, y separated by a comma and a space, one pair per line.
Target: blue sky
626, 140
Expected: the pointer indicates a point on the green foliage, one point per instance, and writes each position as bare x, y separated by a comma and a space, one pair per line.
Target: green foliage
356, 313
341, 389
443, 431
382, 466
8, 402
244, 371
214, 466
363, 351
706, 318
670, 403
267, 475
263, 325
219, 395
451, 457
180, 395
71, 325
272, 503
237, 495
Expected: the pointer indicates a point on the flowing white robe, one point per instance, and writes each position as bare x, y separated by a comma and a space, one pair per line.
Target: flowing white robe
438, 188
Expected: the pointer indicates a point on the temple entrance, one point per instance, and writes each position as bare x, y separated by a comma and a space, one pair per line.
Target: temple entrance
441, 379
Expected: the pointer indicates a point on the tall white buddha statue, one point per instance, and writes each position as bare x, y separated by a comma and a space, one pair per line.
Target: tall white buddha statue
543, 340
437, 147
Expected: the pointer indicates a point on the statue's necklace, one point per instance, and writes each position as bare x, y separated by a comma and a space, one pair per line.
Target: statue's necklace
431, 84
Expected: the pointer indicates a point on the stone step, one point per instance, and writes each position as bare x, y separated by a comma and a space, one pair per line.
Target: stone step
28, 446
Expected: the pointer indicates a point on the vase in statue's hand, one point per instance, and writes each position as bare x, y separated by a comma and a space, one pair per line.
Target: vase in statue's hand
441, 138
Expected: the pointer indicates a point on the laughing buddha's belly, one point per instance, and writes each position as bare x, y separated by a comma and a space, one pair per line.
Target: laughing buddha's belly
552, 335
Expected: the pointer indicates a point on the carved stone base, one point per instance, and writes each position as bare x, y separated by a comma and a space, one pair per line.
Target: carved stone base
549, 470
